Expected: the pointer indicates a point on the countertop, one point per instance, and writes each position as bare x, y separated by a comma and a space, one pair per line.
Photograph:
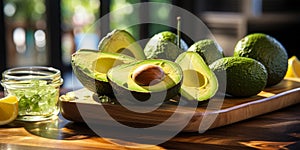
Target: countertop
276, 130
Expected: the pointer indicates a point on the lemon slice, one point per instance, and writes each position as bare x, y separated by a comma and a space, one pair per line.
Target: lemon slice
293, 68
8, 109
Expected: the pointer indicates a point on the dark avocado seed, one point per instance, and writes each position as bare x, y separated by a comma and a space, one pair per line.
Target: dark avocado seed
148, 74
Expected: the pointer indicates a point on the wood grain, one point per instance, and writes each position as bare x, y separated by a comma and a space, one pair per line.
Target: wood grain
59, 134
276, 130
232, 110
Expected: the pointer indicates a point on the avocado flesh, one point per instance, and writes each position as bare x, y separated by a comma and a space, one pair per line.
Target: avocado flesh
268, 51
121, 80
164, 46
208, 49
245, 77
90, 67
199, 82
120, 41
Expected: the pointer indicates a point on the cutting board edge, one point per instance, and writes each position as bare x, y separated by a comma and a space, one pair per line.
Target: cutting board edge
279, 101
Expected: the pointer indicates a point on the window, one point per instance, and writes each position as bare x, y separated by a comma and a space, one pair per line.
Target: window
25, 24
47, 32
78, 18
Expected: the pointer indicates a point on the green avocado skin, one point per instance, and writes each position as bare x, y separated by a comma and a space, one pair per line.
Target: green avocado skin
208, 49
164, 46
92, 84
244, 77
268, 51
140, 96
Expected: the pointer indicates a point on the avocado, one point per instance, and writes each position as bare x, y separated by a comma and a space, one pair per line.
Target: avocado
199, 82
267, 50
208, 49
123, 79
245, 77
121, 41
163, 45
91, 66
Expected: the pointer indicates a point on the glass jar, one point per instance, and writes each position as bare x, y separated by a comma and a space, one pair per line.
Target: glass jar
37, 89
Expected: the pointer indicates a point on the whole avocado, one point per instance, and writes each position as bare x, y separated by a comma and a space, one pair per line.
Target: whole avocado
242, 76
208, 49
163, 45
267, 50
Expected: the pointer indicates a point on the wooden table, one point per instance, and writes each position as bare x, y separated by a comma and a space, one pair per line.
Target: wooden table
275, 130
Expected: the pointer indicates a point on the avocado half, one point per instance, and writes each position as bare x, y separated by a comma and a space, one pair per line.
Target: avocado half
163, 45
121, 79
90, 67
199, 82
121, 41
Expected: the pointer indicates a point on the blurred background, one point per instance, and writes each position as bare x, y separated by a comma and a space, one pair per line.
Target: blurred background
47, 32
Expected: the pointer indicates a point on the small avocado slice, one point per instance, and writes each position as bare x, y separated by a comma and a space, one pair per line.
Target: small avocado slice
91, 66
164, 46
245, 77
121, 41
208, 49
199, 82
169, 74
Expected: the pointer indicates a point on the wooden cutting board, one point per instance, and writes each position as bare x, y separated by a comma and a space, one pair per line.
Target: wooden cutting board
202, 117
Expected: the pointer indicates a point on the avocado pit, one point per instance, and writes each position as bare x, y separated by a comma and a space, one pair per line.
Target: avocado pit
148, 74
